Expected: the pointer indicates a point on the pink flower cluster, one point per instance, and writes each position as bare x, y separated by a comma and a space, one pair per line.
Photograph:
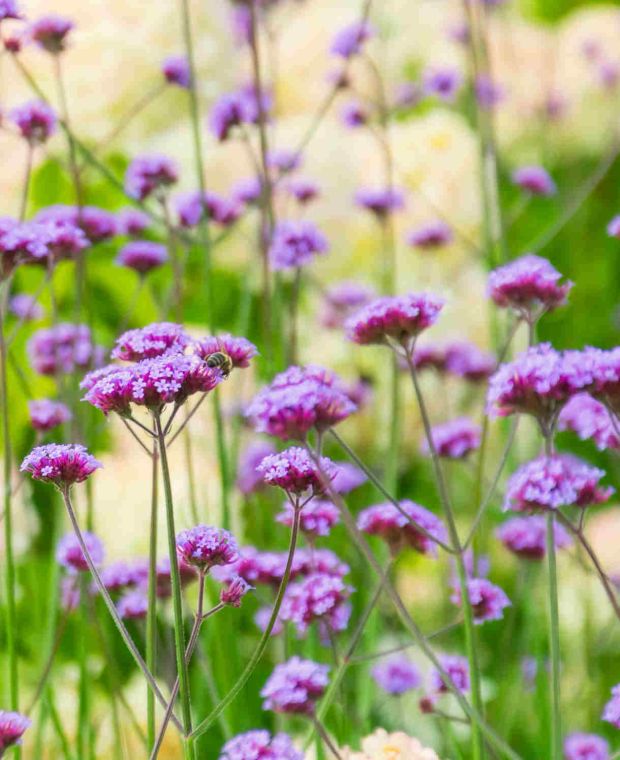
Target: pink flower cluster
260, 745
64, 349
454, 439
397, 318
529, 285
70, 555
60, 464
398, 527
318, 597
527, 536
204, 546
45, 415
295, 472
294, 686
487, 600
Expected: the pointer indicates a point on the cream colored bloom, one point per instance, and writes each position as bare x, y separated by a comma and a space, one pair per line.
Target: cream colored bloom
397, 746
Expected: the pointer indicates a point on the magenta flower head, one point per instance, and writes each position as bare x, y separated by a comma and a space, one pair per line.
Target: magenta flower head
64, 348
132, 222
196, 206
534, 180
487, 600
317, 517
342, 300
283, 161
611, 712
380, 202
234, 109
154, 340
431, 236
613, 228
295, 244
349, 40
45, 415
35, 120
62, 464
397, 675
298, 400
96, 223
69, 553
9, 9
50, 33
248, 191
234, 591
205, 546
526, 536
590, 420
397, 318
13, 725
294, 686
399, 527
25, 308
317, 597
295, 472
249, 479
150, 174
578, 746
64, 240
260, 745
133, 605
303, 190
529, 285
176, 70
24, 243
355, 114
454, 439
554, 482
458, 670
240, 350
142, 256
466, 360
489, 94
442, 83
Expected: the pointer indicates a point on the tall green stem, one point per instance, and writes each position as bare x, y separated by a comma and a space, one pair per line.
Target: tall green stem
554, 642
151, 614
83, 738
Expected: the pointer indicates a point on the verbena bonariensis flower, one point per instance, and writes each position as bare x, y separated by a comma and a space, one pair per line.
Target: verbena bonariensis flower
142, 256
443, 83
399, 530
553, 482
205, 546
318, 597
535, 180
303, 190
397, 675
35, 120
119, 575
50, 32
526, 536
22, 244
380, 201
487, 600
294, 686
132, 222
355, 114
611, 712
320, 561
234, 591
295, 244
25, 308
349, 40
249, 479
431, 236
64, 240
260, 745
13, 725
466, 360
156, 339
603, 370
590, 420
46, 415
150, 174
295, 472
63, 349
133, 605
69, 553
234, 109
9, 9
283, 161
488, 92
176, 70
579, 746
454, 439
458, 670
240, 350
298, 400
342, 300
347, 477
317, 517
397, 318
195, 206
60, 464
248, 191
613, 228
96, 223
529, 285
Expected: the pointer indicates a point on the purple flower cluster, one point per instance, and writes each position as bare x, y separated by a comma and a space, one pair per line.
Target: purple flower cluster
204, 547
342, 300
443, 83
303, 190
397, 675
194, 207
45, 415
380, 201
529, 285
296, 472
69, 553
234, 591
35, 120
295, 244
294, 686
590, 420
318, 517
96, 223
458, 670
25, 307
260, 745
454, 439
431, 236
50, 33
460, 358
154, 340
349, 40
398, 527
9, 9
13, 725
487, 600
579, 746
317, 597
64, 349
142, 256
132, 222
611, 712
240, 350
534, 180
526, 536
133, 605
150, 174
60, 464
176, 70
235, 109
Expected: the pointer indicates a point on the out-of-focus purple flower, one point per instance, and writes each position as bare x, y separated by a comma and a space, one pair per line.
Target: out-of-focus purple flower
64, 348
248, 191
176, 70
554, 482
342, 300
205, 546
156, 339
526, 536
535, 180
349, 40
611, 712
241, 23
69, 553
150, 174
50, 32
298, 400
46, 415
608, 74
192, 208
295, 471
555, 105
443, 83
12, 42
487, 600
64, 240
466, 360
233, 109
303, 190
70, 593
96, 223
142, 256
579, 746
133, 605
431, 236
528, 284
132, 222
118, 576
454, 439
35, 120
60, 464
399, 318
295, 244
294, 686
25, 308
459, 33
24, 243
397, 675
284, 161
613, 228
234, 591
13, 725
240, 350
260, 745
9, 9
355, 114
430, 356
458, 670
249, 479
347, 477
407, 95
380, 201
317, 517
590, 420
258, 567
488, 93
317, 597
399, 528
360, 391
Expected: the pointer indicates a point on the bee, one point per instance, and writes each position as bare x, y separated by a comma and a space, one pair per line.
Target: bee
220, 360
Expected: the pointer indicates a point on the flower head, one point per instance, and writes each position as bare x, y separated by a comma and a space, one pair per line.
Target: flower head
25, 307
342, 300
133, 605
12, 727
347, 477
431, 236
355, 114
303, 190
590, 420
118, 576
59, 463
234, 591
9, 9
458, 670
96, 223
317, 517
132, 222
205, 546
400, 318
611, 712
318, 596
176, 70
240, 350
534, 180
454, 439
142, 256
233, 109
295, 471
294, 686
154, 340
488, 92
380, 202
349, 40
487, 600
295, 244
442, 83
35, 120
466, 360
150, 174
398, 527
195, 206
397, 675
69, 553
526, 536
578, 746
613, 228
64, 348
50, 32
260, 745
528, 285
45, 415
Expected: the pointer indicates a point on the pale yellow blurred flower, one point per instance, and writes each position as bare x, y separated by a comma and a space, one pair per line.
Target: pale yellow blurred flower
396, 746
